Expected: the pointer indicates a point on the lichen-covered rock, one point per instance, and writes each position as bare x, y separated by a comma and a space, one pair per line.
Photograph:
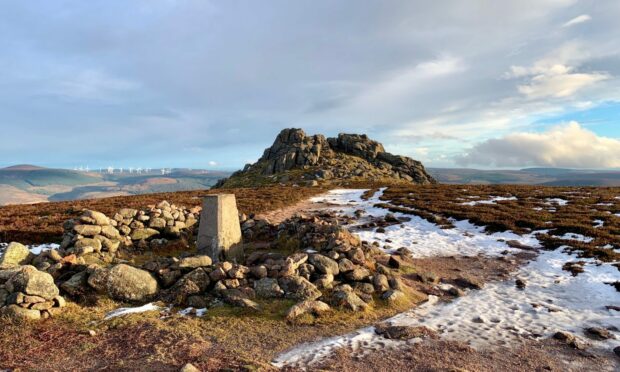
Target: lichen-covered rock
195, 262
127, 283
15, 312
31, 281
298, 288
268, 288
348, 300
143, 233
14, 255
324, 264
94, 218
87, 230
307, 307
76, 285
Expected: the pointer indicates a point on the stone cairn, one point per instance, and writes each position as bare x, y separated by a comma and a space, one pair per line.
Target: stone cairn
320, 265
25, 292
94, 232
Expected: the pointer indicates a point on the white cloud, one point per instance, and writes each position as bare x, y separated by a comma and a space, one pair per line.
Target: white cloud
559, 85
213, 163
405, 82
577, 20
555, 75
568, 145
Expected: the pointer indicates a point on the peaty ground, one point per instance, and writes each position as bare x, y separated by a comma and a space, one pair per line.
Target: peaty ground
236, 339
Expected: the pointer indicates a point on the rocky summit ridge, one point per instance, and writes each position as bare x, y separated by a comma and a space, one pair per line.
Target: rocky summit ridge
296, 157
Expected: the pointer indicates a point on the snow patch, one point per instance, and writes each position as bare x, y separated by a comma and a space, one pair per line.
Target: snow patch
558, 201
573, 236
500, 313
132, 310
423, 238
493, 200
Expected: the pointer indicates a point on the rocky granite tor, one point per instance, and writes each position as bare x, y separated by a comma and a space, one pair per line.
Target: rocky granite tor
296, 157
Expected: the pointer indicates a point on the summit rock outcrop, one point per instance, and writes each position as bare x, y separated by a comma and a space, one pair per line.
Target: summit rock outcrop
297, 157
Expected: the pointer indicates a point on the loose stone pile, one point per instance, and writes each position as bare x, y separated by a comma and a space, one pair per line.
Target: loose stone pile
25, 292
324, 265
94, 232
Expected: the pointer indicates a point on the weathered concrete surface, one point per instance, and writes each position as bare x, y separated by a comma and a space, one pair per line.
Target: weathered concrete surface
219, 233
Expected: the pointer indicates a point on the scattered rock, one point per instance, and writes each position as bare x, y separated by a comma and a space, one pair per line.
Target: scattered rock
189, 368
404, 332
599, 333
298, 288
348, 300
469, 282
307, 307
127, 283
195, 262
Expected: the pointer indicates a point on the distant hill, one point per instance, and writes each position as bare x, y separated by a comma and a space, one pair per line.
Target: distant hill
22, 167
528, 176
23, 184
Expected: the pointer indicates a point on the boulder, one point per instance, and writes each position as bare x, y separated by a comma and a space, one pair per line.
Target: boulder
324, 264
393, 296
33, 282
127, 283
298, 288
14, 255
348, 300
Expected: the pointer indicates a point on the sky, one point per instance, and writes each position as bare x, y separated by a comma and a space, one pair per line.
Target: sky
209, 84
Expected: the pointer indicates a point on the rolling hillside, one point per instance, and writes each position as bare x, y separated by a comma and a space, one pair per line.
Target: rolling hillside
24, 184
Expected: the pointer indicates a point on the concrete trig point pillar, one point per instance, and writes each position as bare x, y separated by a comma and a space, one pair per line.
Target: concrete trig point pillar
219, 233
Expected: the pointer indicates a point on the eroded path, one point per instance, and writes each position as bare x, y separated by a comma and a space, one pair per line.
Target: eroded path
499, 315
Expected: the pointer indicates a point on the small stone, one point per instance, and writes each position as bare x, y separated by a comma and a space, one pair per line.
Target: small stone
345, 265
195, 262
189, 368
599, 333
520, 283
380, 283
359, 274
393, 296
348, 300
306, 307
403, 332
143, 233
395, 262
468, 282
268, 288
